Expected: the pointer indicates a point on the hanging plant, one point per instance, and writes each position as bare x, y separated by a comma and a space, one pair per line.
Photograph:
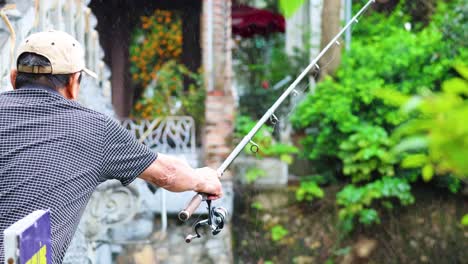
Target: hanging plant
155, 52
155, 42
166, 94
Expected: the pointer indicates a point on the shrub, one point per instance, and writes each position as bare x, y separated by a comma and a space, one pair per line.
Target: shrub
308, 191
350, 121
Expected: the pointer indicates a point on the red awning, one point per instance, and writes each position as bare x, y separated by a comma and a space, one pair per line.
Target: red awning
248, 21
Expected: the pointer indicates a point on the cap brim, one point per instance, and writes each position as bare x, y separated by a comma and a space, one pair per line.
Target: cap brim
90, 73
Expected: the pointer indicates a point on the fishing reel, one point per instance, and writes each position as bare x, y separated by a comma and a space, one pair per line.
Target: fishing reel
217, 217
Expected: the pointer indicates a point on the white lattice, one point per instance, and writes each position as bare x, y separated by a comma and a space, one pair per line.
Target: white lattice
172, 135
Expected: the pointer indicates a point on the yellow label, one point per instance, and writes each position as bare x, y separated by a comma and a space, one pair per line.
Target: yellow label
40, 257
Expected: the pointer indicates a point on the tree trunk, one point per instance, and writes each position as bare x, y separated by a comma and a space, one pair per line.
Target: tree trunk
330, 27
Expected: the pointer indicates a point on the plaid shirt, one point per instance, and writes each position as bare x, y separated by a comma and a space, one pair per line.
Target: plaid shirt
53, 154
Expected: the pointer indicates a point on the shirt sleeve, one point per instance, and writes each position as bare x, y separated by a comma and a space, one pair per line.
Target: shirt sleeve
124, 158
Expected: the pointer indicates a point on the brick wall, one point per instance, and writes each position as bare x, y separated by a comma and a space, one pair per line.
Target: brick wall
219, 102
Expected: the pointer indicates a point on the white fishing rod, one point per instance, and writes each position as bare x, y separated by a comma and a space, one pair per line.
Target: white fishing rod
185, 214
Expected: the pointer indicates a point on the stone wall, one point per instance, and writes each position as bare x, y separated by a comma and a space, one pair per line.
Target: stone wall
172, 250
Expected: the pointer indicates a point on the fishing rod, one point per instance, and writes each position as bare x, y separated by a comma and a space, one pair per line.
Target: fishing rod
217, 216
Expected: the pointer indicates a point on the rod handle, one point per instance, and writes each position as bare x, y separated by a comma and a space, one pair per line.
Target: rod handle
197, 199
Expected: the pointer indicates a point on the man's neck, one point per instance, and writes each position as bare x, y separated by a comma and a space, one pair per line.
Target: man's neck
40, 86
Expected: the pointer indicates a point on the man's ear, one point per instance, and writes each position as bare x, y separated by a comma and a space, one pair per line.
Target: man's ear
73, 86
13, 75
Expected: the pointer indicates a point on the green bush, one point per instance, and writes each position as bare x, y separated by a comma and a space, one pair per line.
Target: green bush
356, 201
308, 191
397, 60
350, 121
437, 138
366, 153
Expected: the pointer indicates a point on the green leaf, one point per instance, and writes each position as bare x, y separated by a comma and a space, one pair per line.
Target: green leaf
253, 174
342, 251
257, 205
427, 172
412, 143
455, 86
368, 216
278, 232
412, 104
308, 190
288, 159
289, 7
464, 220
414, 161
462, 69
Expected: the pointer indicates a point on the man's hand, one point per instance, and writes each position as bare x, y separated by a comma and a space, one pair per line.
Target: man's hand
176, 175
209, 183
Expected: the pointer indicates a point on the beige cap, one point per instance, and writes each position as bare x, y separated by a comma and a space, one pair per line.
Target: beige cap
65, 53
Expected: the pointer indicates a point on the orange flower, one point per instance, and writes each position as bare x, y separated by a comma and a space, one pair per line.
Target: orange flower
138, 106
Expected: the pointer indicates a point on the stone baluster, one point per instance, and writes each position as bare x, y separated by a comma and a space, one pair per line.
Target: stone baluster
87, 35
4, 66
106, 89
70, 21
95, 50
58, 17
42, 13
5, 58
100, 71
8, 39
80, 22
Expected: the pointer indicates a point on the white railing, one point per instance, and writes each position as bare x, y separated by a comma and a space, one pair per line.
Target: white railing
172, 135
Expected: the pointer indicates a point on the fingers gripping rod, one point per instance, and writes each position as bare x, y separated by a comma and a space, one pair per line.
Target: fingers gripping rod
198, 198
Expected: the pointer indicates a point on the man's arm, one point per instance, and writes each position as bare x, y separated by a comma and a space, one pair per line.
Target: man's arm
177, 176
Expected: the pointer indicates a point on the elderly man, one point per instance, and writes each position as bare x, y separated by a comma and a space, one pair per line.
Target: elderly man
54, 152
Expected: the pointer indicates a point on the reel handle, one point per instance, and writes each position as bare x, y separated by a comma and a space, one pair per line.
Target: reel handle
189, 238
197, 199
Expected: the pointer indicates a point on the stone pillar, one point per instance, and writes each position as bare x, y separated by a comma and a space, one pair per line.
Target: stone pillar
217, 62
219, 103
